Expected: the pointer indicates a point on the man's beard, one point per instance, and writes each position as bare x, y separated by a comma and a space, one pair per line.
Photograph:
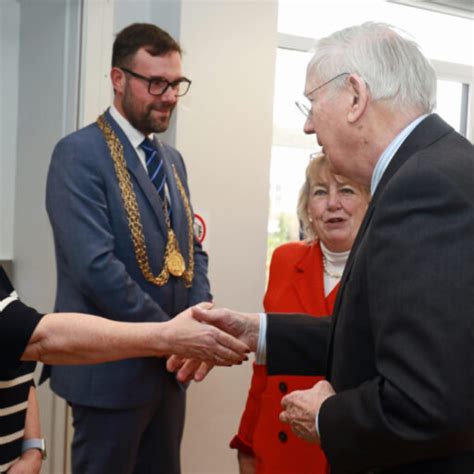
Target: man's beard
144, 121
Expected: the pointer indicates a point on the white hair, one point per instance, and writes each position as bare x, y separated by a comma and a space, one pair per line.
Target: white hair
390, 63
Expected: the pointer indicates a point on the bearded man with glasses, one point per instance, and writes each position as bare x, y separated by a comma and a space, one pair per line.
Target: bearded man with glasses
119, 206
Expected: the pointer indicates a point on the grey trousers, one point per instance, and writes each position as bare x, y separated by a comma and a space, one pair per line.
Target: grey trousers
142, 440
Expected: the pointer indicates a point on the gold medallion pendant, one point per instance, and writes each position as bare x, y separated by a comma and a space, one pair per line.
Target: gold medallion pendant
174, 260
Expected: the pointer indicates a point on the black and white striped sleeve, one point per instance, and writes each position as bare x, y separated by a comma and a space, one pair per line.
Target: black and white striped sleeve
17, 322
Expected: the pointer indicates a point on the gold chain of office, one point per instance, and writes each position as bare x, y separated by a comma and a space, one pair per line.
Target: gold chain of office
173, 262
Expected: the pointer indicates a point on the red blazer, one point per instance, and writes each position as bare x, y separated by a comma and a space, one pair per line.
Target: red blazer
296, 284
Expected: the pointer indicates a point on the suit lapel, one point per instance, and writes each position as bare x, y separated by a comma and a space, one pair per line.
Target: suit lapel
350, 259
428, 131
179, 223
173, 190
308, 279
141, 179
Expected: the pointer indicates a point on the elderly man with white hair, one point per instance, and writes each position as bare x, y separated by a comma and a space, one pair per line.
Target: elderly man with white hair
398, 353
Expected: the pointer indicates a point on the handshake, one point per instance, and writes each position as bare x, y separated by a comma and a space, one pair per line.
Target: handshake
193, 341
201, 337
197, 335
206, 337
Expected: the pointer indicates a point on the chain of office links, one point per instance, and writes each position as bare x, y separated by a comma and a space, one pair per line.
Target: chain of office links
134, 218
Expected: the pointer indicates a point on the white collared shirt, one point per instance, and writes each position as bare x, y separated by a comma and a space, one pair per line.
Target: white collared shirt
134, 136
390, 151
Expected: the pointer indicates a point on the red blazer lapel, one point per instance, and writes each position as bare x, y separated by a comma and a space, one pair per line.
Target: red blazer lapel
308, 281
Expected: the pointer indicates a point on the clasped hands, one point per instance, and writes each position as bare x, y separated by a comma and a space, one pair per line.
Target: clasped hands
201, 338
299, 407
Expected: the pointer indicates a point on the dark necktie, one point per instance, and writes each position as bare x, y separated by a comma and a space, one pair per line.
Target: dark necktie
155, 166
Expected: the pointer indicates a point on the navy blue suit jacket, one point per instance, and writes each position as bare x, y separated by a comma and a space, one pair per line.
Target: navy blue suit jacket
96, 265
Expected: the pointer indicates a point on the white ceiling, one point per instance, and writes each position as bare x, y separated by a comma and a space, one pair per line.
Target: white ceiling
463, 8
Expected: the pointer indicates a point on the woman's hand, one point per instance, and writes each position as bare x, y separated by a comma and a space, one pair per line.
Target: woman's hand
29, 463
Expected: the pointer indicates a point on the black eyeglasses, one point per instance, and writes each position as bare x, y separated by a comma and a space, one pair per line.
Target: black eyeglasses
159, 85
304, 108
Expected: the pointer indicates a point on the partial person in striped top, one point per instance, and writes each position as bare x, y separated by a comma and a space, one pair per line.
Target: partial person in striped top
28, 335
19, 418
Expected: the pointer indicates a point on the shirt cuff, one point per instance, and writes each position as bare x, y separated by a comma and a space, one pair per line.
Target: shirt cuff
9, 299
316, 423
261, 354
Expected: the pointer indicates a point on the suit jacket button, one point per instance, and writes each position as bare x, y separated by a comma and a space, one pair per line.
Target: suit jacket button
283, 387
282, 436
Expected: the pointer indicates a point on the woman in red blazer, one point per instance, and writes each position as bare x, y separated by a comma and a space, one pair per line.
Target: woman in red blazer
304, 277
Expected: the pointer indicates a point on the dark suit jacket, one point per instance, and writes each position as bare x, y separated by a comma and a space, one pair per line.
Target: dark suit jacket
401, 346
96, 264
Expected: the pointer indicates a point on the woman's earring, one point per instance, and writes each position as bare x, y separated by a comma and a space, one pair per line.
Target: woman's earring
310, 219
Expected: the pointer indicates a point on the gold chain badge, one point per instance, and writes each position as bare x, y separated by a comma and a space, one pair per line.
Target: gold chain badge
173, 263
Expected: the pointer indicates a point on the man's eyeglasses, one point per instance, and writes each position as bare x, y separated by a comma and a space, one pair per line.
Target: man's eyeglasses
159, 85
306, 109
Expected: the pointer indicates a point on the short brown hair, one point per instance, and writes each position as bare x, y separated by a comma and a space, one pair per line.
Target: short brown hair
156, 42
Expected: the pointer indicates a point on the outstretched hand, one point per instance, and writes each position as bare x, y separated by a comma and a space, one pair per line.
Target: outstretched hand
244, 326
191, 338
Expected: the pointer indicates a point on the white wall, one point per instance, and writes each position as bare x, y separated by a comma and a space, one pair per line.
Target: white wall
9, 46
47, 110
224, 130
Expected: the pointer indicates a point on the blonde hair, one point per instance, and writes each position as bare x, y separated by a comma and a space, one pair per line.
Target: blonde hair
318, 165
